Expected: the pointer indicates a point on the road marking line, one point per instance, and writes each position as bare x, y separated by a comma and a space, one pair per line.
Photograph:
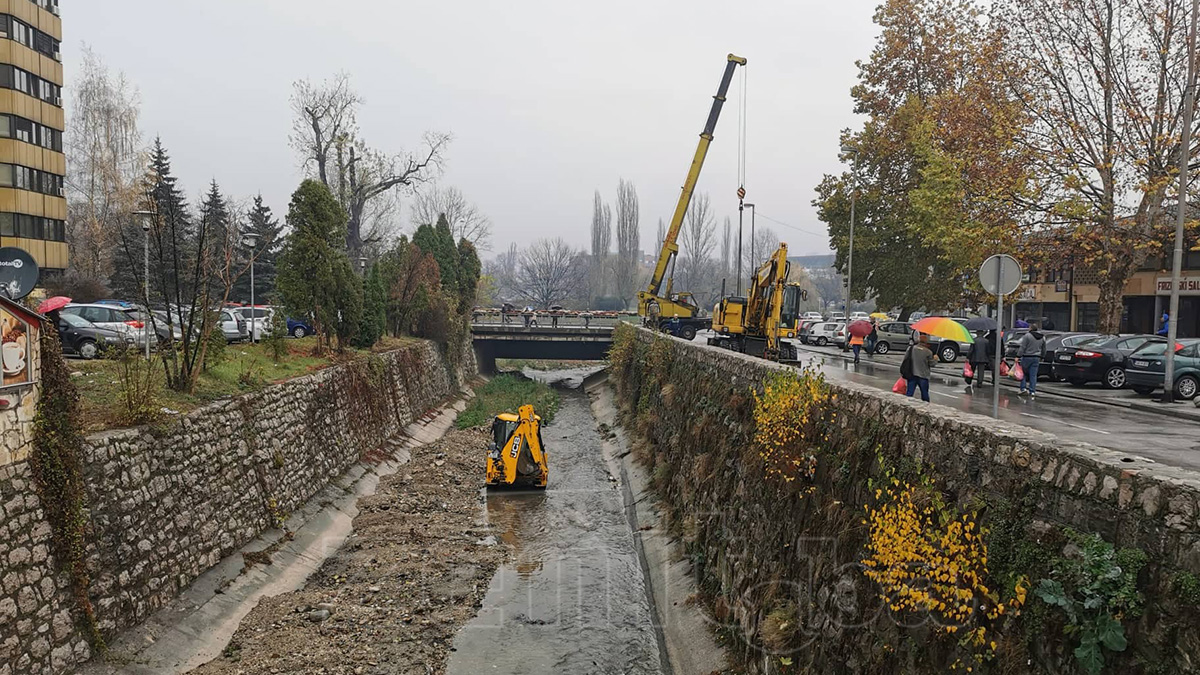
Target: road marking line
1070, 424
938, 393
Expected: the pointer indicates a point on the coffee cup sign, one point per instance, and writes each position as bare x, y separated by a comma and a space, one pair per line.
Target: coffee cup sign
15, 335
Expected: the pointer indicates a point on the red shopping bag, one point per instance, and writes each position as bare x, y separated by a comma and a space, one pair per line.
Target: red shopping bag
1018, 373
968, 371
1004, 369
901, 387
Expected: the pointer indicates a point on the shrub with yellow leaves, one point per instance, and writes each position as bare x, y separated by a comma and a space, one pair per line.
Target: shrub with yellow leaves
790, 423
928, 559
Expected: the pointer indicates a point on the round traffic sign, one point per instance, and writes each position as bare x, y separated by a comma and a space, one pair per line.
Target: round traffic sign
1000, 274
18, 272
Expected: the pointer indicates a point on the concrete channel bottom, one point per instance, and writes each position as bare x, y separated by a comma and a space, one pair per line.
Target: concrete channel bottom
195, 628
591, 574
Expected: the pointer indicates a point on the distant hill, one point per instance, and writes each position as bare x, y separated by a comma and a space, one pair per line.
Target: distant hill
812, 262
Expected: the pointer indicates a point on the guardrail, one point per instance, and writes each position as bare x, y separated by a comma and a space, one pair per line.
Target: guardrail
549, 319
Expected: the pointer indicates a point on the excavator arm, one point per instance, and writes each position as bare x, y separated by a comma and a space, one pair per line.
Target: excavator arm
759, 316
670, 246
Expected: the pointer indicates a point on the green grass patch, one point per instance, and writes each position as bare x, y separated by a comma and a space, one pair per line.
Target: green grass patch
506, 393
243, 367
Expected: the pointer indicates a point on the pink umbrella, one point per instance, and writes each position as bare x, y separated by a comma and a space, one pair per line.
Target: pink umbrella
51, 304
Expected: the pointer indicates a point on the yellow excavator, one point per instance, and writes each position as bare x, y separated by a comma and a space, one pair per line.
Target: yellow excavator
661, 307
515, 454
759, 323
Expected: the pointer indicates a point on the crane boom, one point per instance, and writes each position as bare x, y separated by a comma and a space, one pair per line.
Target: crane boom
670, 247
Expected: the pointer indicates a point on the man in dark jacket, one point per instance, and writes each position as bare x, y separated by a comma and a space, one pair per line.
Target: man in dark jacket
979, 358
1029, 352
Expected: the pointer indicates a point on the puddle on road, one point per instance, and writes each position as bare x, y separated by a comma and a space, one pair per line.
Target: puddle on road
573, 600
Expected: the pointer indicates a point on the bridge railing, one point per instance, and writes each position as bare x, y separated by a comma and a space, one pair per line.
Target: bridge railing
549, 318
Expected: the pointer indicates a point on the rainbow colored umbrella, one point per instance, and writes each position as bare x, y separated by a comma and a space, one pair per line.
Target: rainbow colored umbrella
944, 328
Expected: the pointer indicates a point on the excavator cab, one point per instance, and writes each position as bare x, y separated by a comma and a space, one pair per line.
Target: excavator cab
515, 453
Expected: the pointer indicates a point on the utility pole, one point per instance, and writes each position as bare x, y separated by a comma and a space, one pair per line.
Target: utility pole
1185, 156
147, 219
853, 197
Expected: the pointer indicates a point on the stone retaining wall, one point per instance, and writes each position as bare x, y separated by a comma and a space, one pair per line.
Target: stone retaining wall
167, 503
760, 545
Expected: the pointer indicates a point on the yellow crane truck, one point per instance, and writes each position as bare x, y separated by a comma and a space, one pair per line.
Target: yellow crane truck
660, 307
759, 323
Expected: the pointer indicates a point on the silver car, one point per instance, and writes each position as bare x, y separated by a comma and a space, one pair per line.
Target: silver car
113, 317
259, 318
233, 326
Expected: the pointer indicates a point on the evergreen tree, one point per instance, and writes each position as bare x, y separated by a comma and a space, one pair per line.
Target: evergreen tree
216, 222
438, 241
469, 269
315, 277
262, 222
374, 315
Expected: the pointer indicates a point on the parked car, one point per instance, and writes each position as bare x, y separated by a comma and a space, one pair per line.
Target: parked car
1054, 341
233, 326
837, 316
823, 333
805, 327
259, 320
812, 316
895, 335
1098, 359
82, 337
1146, 367
856, 316
113, 317
162, 333
299, 328
841, 338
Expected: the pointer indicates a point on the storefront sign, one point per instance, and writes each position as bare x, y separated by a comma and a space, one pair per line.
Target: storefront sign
1187, 286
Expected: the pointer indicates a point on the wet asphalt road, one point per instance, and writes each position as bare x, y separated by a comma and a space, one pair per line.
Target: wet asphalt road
574, 599
1163, 439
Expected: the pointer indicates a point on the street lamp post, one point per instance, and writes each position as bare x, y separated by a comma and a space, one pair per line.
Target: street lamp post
1185, 157
146, 218
853, 197
251, 239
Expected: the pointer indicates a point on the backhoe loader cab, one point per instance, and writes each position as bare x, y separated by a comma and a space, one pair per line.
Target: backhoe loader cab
515, 453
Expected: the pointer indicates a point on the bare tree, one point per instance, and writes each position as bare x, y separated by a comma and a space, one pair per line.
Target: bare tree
465, 219
503, 271
628, 240
105, 155
324, 123
325, 134
661, 233
765, 243
549, 272
695, 246
1103, 82
726, 247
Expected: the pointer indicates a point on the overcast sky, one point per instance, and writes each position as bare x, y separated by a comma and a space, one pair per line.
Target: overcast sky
547, 100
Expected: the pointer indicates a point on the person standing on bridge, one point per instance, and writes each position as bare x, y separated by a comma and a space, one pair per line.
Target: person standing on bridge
921, 357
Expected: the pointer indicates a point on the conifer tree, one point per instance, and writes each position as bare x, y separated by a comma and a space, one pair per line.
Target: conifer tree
262, 223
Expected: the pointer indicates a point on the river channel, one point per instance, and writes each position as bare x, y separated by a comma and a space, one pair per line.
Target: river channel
573, 599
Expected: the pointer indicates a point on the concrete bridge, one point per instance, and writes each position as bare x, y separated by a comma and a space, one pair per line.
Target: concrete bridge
515, 341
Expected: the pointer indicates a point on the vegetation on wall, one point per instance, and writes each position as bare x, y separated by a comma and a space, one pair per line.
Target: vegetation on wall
57, 464
964, 577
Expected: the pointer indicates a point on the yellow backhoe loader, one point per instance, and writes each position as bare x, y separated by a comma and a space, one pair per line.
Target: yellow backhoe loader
515, 454
759, 323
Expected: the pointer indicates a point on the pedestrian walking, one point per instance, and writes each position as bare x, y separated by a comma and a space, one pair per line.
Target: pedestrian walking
1166, 324
979, 358
1030, 351
921, 358
992, 338
873, 338
856, 343
1047, 323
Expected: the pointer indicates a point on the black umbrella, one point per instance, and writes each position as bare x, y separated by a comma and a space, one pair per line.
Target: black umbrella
980, 323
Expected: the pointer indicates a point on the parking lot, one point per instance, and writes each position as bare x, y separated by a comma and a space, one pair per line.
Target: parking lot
1116, 419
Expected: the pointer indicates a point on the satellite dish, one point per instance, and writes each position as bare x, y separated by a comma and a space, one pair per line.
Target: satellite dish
18, 272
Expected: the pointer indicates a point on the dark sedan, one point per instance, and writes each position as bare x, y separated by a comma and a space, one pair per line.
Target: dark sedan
1098, 359
82, 337
1054, 342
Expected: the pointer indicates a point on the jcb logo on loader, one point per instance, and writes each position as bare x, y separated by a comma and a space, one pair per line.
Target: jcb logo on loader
516, 448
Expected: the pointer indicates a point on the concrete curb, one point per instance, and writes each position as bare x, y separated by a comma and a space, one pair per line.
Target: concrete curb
1180, 412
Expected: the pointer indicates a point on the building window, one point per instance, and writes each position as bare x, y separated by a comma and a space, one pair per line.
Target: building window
48, 5
24, 178
20, 128
6, 225
12, 77
19, 31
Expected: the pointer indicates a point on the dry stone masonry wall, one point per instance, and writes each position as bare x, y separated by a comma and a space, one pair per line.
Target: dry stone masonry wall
169, 502
780, 563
